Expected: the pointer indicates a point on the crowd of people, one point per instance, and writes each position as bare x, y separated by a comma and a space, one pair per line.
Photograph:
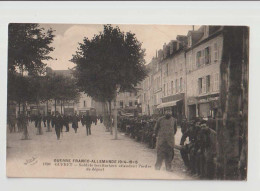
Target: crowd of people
197, 145
57, 122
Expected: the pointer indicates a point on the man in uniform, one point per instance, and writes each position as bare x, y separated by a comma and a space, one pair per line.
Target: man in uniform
189, 151
58, 121
87, 120
165, 129
75, 121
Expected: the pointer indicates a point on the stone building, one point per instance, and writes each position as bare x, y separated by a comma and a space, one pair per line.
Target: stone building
203, 57
173, 77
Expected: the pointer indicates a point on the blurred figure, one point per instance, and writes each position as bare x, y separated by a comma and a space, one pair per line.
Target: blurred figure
75, 121
165, 129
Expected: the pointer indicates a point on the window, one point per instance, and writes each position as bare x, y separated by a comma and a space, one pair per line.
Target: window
176, 86
121, 104
216, 82
200, 85
84, 103
215, 51
130, 94
136, 93
136, 102
164, 88
207, 55
130, 103
180, 84
203, 85
208, 83
199, 56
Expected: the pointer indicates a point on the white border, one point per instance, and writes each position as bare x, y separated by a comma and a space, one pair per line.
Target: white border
193, 13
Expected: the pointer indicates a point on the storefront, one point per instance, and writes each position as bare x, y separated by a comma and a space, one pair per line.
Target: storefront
203, 106
176, 104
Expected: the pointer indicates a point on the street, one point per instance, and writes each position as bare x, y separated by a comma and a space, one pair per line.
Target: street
78, 155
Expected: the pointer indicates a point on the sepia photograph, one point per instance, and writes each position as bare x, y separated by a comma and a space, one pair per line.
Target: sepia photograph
127, 101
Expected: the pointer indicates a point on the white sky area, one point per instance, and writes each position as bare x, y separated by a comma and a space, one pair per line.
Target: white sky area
67, 37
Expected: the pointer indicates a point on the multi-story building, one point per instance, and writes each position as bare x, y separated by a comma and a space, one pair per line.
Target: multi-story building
186, 75
157, 85
174, 77
127, 99
203, 57
147, 91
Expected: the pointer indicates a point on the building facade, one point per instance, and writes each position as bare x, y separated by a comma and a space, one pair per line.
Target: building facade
203, 57
185, 76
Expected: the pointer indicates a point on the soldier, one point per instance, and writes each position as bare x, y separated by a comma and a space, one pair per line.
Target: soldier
165, 129
48, 118
66, 122
11, 123
87, 120
39, 124
189, 151
44, 118
58, 121
75, 120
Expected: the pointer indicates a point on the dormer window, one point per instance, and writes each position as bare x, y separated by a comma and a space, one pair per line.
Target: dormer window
189, 41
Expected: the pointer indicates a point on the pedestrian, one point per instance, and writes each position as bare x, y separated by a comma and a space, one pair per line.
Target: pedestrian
165, 129
58, 121
48, 118
94, 119
189, 150
75, 121
87, 120
66, 122
52, 121
39, 124
101, 118
44, 118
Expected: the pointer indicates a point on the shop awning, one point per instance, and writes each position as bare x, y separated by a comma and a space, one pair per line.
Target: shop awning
167, 104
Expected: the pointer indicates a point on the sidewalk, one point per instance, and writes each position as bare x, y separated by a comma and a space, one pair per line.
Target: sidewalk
124, 153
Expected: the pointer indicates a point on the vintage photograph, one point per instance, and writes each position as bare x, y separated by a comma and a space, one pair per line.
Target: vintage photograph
132, 101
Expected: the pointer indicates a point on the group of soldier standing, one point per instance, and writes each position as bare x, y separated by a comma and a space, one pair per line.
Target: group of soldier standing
58, 122
197, 146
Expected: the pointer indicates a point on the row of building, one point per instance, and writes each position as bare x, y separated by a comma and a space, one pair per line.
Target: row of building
184, 75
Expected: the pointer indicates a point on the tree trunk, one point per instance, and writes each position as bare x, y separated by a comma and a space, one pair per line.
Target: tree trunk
115, 119
60, 106
55, 106
229, 130
24, 124
110, 117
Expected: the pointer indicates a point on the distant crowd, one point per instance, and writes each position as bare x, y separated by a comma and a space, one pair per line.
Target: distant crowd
59, 122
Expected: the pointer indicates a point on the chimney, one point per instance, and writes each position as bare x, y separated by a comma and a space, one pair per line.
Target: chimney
192, 27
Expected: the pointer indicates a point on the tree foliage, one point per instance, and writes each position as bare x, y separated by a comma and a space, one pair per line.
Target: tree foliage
109, 60
28, 47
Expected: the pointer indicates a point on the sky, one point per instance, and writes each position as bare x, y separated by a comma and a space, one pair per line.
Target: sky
67, 37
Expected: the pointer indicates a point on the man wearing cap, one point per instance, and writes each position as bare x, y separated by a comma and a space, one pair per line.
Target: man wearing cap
165, 129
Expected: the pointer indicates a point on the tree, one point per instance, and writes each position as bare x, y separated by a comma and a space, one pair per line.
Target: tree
28, 47
112, 60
